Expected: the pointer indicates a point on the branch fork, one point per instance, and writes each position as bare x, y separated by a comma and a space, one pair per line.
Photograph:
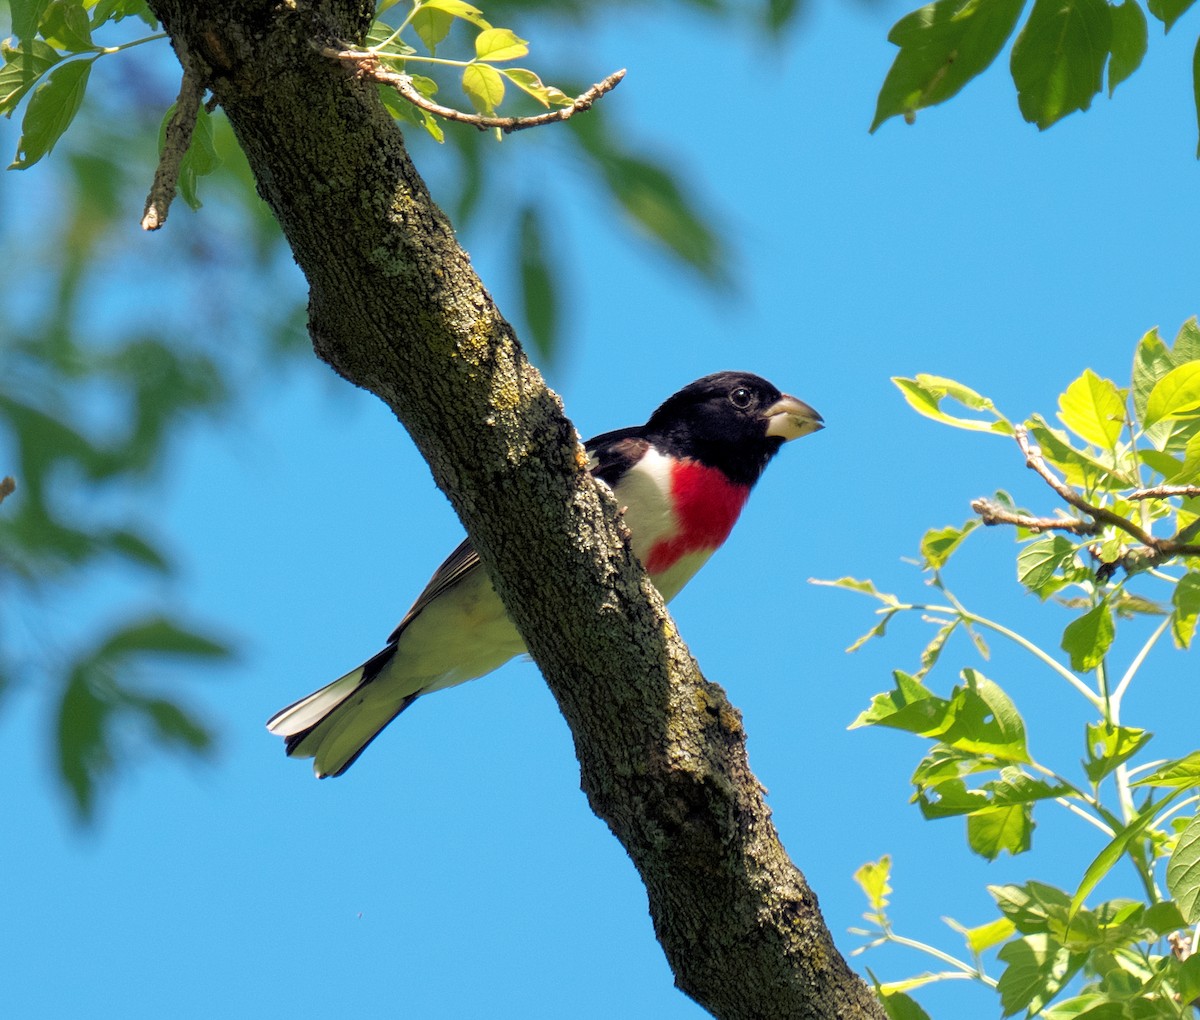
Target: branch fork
367, 64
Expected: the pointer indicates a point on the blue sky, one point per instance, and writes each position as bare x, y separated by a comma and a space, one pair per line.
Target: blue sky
456, 870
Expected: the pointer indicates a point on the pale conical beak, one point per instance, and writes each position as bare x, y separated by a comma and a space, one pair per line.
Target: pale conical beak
789, 418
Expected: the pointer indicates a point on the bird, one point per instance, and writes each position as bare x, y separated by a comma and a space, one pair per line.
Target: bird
681, 479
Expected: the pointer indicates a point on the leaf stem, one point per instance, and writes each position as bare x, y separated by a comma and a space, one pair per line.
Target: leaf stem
1024, 642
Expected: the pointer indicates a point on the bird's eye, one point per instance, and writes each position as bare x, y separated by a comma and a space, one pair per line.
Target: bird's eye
740, 397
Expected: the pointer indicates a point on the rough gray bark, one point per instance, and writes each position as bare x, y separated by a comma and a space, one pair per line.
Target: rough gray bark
396, 308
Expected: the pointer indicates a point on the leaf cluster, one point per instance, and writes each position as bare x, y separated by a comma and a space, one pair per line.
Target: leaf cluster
1059, 61
1124, 464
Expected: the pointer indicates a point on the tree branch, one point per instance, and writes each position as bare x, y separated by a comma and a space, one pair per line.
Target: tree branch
175, 147
1154, 550
993, 513
367, 65
395, 307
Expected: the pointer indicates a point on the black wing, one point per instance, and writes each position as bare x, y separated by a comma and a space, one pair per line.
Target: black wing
610, 456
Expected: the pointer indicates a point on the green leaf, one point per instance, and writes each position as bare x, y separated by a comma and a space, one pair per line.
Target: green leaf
873, 879
1039, 563
201, 158
899, 1006
26, 17
1151, 361
1162, 918
65, 26
499, 44
1094, 409
1186, 345
83, 750
651, 195
1078, 468
1059, 56
911, 706
985, 936
23, 66
1113, 851
432, 26
133, 547
942, 47
1129, 39
985, 720
1169, 11
1033, 907
539, 295
932, 651
862, 587
484, 86
1176, 395
1185, 600
1180, 774
1189, 978
51, 109
1183, 872
1109, 746
1088, 638
937, 546
162, 636
529, 82
1036, 969
173, 725
925, 394
1003, 828
459, 9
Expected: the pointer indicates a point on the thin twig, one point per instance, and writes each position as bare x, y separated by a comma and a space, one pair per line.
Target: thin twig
8, 485
1034, 461
175, 147
367, 65
1165, 492
993, 513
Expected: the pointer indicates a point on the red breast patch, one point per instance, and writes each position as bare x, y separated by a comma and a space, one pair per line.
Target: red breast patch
707, 505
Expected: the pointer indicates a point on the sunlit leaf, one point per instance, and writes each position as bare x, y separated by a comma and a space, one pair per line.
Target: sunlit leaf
432, 26
1109, 746
1180, 774
899, 1006
925, 394
1094, 409
862, 587
1185, 602
1039, 563
937, 545
1087, 639
1177, 394
1114, 850
1183, 872
459, 9
873, 878
499, 44
1036, 969
484, 86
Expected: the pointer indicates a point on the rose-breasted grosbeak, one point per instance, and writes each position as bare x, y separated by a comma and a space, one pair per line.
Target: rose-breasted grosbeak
683, 478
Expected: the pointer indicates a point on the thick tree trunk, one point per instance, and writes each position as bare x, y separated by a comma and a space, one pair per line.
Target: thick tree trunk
396, 308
